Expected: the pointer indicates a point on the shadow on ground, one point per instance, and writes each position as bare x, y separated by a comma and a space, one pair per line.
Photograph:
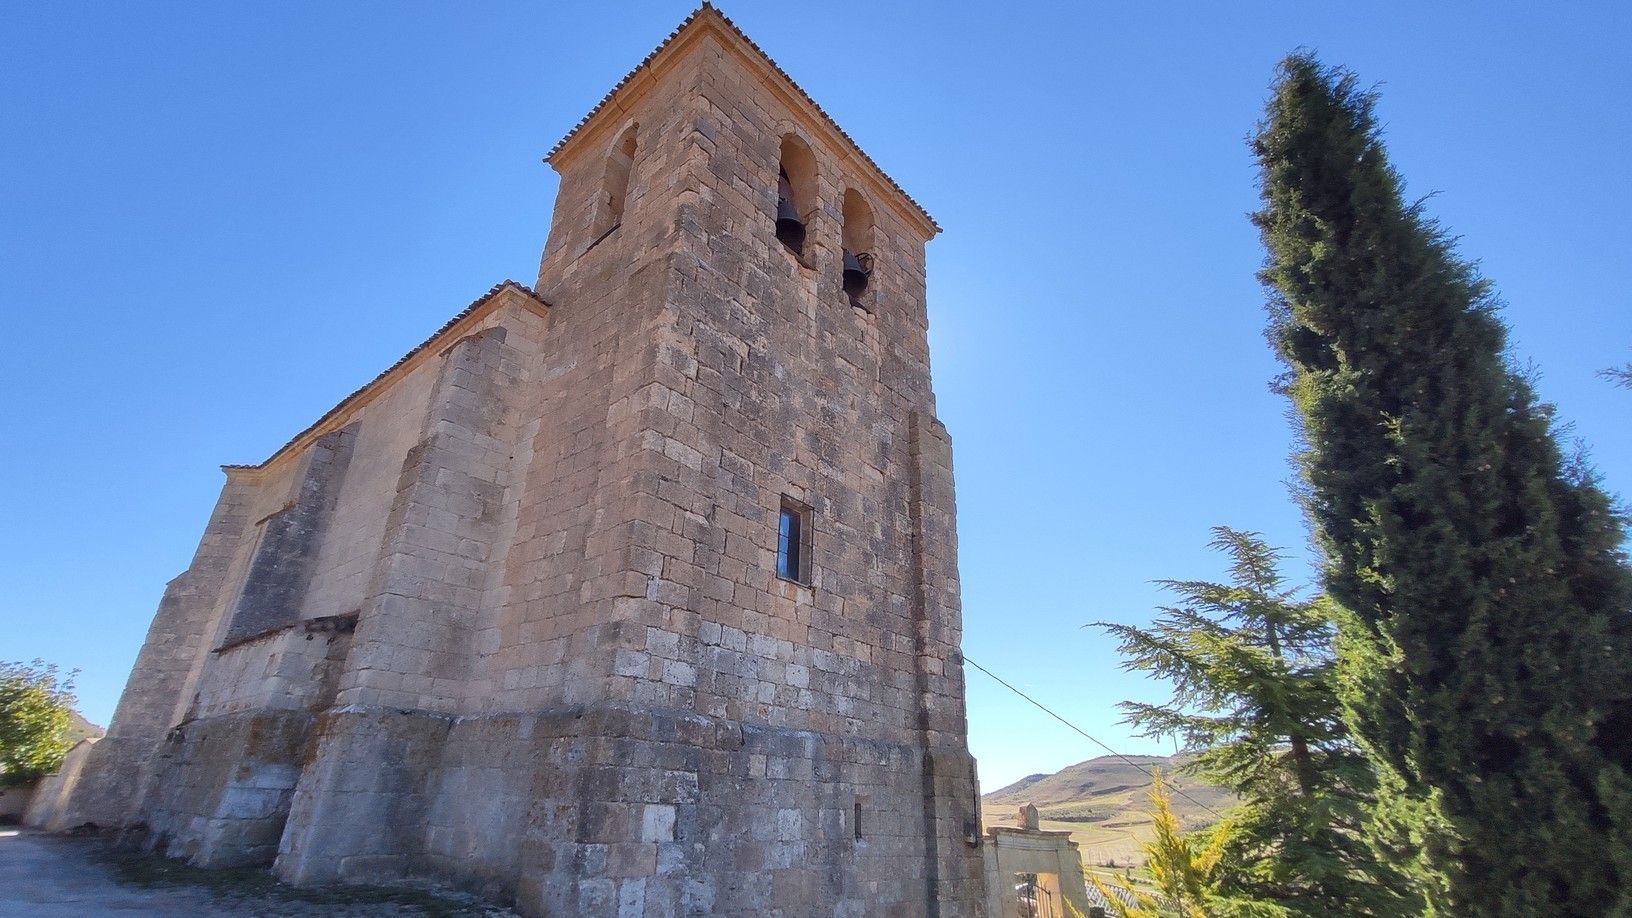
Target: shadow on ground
55, 875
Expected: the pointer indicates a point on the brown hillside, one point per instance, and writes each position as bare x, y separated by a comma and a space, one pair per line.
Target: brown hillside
79, 728
1105, 804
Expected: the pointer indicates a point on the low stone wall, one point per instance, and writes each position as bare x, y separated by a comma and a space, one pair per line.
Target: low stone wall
48, 807
14, 801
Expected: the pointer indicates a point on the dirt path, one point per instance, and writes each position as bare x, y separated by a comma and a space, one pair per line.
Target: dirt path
53, 876
43, 875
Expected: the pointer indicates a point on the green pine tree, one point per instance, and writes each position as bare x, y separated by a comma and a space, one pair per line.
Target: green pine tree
1486, 661
1255, 699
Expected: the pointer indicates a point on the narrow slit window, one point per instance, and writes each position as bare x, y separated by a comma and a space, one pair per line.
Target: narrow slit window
793, 541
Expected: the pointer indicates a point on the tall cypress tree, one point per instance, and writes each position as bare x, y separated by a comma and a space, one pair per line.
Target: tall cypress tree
1485, 655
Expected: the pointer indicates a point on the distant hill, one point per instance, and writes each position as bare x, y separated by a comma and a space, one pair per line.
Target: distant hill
79, 728
1013, 790
1105, 804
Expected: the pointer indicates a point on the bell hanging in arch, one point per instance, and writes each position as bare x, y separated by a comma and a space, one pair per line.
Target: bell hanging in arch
857, 268
790, 230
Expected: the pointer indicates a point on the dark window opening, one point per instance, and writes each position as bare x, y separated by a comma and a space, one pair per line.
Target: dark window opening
793, 541
857, 820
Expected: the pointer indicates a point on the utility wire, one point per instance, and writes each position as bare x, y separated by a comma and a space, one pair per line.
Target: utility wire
1044, 708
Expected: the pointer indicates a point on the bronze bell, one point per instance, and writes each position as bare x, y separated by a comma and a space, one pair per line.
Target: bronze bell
789, 228
856, 269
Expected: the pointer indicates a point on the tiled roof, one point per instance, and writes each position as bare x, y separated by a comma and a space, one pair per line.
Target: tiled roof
345, 402
708, 9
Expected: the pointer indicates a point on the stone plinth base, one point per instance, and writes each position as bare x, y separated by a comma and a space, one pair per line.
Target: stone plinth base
222, 786
614, 810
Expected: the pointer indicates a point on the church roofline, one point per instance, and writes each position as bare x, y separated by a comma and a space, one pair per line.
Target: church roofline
483, 305
709, 16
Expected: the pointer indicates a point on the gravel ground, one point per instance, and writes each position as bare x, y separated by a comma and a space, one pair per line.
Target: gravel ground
55, 876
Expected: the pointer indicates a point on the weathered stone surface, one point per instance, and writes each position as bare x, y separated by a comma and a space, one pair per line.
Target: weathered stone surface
222, 786
281, 566
576, 680
48, 807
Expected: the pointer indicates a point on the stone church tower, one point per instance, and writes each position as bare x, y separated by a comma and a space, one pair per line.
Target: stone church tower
633, 593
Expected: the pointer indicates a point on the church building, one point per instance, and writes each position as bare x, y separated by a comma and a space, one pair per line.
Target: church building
631, 592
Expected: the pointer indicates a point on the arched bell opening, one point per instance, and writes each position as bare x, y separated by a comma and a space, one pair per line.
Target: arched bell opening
857, 237
795, 193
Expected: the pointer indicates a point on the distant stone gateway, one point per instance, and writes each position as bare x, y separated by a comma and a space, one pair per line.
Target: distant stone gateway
631, 593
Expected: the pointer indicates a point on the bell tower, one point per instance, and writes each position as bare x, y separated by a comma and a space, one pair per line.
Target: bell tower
766, 281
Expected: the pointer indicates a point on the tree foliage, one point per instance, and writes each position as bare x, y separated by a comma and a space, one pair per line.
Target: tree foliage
1255, 700
36, 707
1485, 658
1620, 376
1183, 870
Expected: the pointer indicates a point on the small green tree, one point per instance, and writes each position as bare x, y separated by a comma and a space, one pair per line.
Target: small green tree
1183, 870
36, 708
1487, 657
1255, 699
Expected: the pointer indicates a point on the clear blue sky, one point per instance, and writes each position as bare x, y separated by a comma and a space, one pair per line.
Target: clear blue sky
218, 219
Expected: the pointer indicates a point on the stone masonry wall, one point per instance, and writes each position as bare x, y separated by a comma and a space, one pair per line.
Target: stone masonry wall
49, 807
191, 673
690, 374
223, 782
795, 391
117, 769
392, 424
293, 668
218, 788
641, 578
285, 554
416, 643
382, 432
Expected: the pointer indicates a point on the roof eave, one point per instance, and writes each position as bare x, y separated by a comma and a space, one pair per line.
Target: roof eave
482, 305
708, 19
